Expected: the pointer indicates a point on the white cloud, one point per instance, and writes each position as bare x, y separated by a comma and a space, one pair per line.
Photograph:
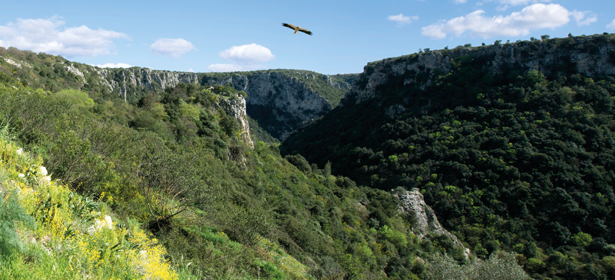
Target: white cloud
611, 25
114, 65
233, 67
536, 16
247, 54
460, 1
244, 58
584, 18
171, 47
47, 35
190, 70
401, 19
507, 3
224, 67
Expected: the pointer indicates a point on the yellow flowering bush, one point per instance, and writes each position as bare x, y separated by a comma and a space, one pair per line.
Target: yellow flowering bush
75, 237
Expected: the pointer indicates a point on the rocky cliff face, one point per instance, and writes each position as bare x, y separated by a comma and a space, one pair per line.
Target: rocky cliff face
588, 55
133, 81
236, 107
426, 220
143, 78
279, 102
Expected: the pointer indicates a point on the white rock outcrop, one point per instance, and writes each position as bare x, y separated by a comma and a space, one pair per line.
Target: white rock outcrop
236, 107
412, 202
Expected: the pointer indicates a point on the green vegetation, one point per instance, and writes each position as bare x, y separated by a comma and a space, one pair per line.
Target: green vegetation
174, 164
520, 161
259, 134
54, 73
63, 235
500, 265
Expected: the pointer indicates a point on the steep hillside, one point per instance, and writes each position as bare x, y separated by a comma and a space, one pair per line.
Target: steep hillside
63, 235
176, 164
283, 100
279, 100
511, 144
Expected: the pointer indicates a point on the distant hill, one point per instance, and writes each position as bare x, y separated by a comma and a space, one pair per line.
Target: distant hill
512, 144
279, 100
283, 100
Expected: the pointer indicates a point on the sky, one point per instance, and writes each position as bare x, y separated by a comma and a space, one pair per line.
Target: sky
238, 35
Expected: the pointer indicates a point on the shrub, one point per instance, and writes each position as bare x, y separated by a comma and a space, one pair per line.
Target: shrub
300, 162
500, 265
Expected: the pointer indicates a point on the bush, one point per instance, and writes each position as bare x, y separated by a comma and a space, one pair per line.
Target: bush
608, 263
300, 162
500, 265
76, 98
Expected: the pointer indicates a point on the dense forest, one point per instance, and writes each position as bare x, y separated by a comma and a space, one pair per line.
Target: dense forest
520, 161
518, 166
173, 163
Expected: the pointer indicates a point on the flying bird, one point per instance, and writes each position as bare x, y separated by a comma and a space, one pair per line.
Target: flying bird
297, 28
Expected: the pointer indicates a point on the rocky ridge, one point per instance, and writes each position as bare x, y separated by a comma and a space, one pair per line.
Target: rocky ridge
143, 77
278, 102
588, 55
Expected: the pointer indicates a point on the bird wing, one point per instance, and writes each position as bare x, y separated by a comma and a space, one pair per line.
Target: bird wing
289, 25
305, 31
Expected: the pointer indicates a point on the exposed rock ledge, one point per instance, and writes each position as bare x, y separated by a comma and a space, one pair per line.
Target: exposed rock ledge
426, 220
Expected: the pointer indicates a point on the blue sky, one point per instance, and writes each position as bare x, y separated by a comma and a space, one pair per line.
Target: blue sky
205, 36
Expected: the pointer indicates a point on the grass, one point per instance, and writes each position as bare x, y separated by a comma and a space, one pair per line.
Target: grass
75, 237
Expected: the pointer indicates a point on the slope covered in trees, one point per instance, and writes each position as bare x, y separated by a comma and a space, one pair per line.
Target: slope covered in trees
174, 164
518, 160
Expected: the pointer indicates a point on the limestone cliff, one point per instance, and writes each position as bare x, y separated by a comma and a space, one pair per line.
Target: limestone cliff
279, 100
588, 55
235, 106
126, 81
412, 202
283, 100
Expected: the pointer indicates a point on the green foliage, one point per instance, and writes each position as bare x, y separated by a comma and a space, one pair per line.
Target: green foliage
260, 134
210, 200
75, 97
608, 263
521, 156
581, 239
299, 162
10, 212
500, 265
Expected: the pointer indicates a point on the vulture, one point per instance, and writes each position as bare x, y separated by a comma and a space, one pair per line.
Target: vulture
297, 28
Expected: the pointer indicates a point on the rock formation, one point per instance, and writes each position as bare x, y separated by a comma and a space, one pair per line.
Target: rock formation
235, 106
279, 103
588, 55
412, 202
